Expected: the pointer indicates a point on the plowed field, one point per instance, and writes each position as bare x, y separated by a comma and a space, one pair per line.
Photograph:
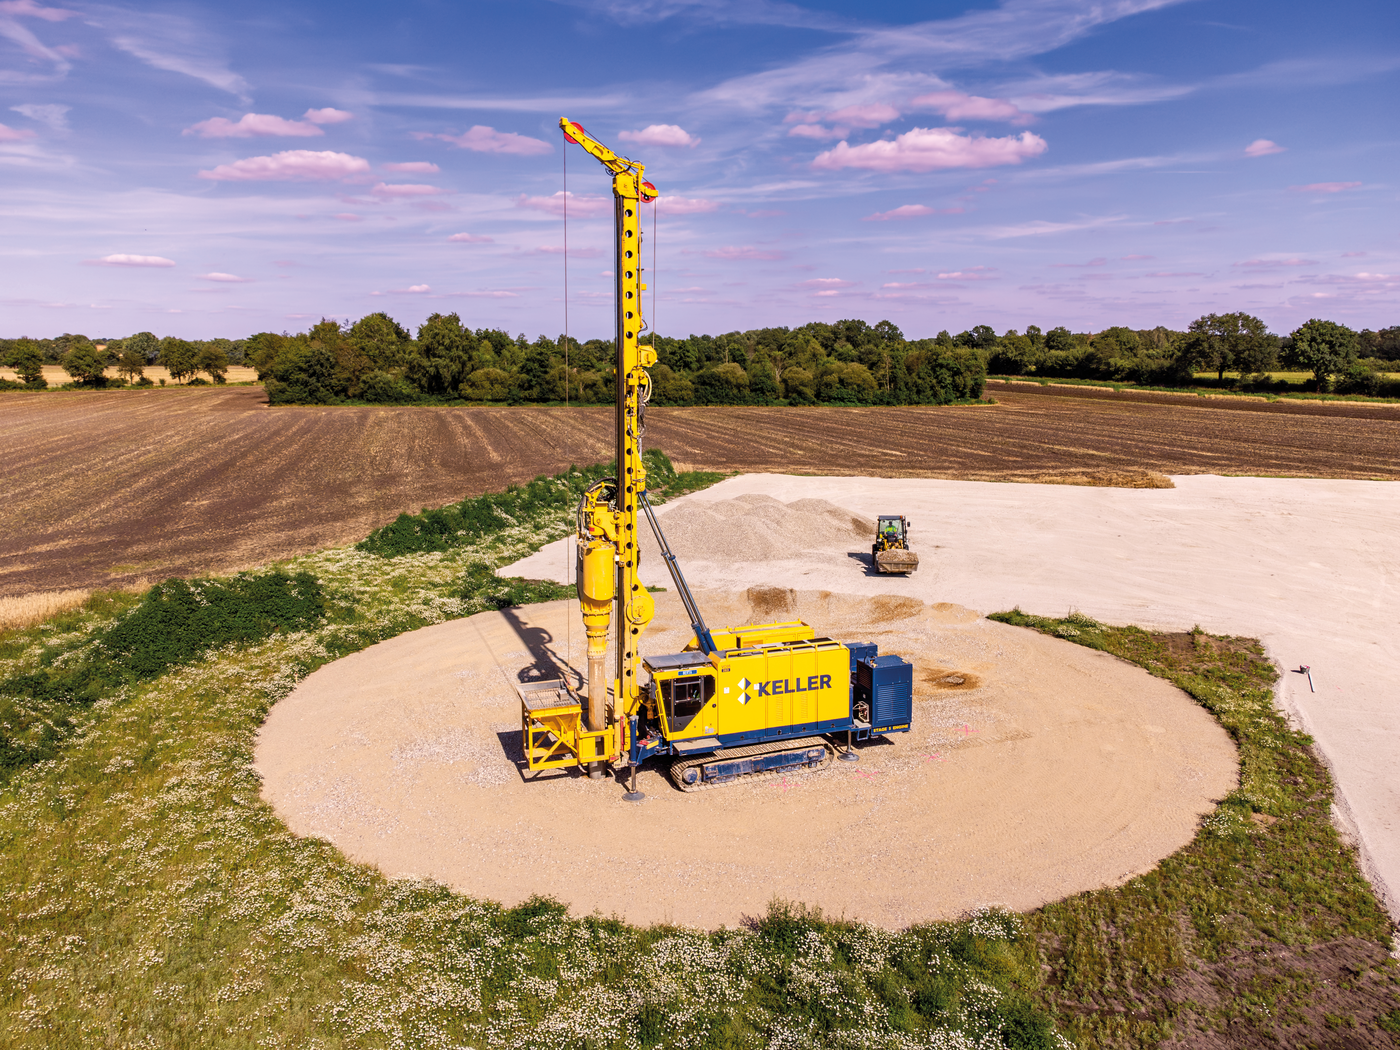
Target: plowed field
102, 489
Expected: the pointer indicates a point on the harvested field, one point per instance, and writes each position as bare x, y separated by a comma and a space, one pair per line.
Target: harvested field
109, 488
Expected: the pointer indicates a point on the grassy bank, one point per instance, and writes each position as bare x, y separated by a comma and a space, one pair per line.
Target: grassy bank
148, 897
1261, 932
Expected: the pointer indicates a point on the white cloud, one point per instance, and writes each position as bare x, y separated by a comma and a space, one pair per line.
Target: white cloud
932, 149
327, 116
225, 278
412, 167
660, 135
249, 125
470, 238
407, 189
298, 164
132, 260
954, 105
1262, 148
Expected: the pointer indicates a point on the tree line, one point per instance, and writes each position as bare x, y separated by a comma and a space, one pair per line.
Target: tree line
87, 360
1236, 344
376, 360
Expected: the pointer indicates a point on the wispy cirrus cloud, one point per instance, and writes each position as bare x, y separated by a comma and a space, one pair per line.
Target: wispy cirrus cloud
225, 278
294, 164
932, 149
170, 42
684, 205
660, 135
1326, 187
746, 251
50, 114
482, 139
412, 167
11, 11
717, 12
911, 211
407, 189
586, 206
9, 134
470, 238
883, 63
1273, 264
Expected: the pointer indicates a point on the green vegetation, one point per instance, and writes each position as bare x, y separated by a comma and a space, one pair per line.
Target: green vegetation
465, 523
151, 898
377, 361
1221, 935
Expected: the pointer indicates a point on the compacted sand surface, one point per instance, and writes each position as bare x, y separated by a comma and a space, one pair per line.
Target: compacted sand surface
1036, 769
1308, 565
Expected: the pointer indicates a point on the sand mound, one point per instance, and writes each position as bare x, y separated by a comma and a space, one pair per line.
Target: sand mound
755, 527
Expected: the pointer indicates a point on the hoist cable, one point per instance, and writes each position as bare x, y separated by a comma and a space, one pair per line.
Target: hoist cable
568, 546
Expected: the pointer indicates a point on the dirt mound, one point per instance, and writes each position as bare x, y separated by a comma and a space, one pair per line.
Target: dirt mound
755, 527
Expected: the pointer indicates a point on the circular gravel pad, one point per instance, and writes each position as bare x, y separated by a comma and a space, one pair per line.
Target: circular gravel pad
1036, 769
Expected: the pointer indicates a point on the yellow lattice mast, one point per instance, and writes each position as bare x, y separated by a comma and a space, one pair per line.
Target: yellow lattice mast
608, 535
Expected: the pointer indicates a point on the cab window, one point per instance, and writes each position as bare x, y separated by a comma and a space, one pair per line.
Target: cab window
684, 698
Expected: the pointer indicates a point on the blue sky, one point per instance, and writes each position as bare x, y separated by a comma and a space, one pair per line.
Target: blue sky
215, 170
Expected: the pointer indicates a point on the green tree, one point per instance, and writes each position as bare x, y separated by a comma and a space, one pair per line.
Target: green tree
25, 357
145, 344
304, 374
1324, 348
1059, 340
131, 364
443, 357
1236, 342
487, 384
381, 339
763, 381
178, 357
211, 358
85, 363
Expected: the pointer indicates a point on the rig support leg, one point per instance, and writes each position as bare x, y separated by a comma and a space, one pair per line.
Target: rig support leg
849, 755
633, 795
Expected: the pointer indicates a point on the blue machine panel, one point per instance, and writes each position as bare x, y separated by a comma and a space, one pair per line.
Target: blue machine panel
885, 686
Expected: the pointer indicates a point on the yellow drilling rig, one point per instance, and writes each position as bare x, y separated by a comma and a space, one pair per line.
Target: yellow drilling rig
750, 701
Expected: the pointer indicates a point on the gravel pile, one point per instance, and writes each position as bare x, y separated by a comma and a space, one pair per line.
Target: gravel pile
755, 527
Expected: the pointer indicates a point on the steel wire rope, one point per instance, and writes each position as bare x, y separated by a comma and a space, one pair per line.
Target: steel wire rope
573, 538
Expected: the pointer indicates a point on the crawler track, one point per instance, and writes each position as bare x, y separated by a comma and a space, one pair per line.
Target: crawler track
805, 743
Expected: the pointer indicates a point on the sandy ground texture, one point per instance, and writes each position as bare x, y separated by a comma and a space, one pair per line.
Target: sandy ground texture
1309, 566
1036, 769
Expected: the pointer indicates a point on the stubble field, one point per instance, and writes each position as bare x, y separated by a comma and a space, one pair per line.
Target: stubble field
110, 489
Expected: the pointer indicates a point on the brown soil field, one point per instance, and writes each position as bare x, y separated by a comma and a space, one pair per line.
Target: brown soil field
106, 489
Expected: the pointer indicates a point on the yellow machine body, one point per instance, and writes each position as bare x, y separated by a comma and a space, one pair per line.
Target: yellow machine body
762, 686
